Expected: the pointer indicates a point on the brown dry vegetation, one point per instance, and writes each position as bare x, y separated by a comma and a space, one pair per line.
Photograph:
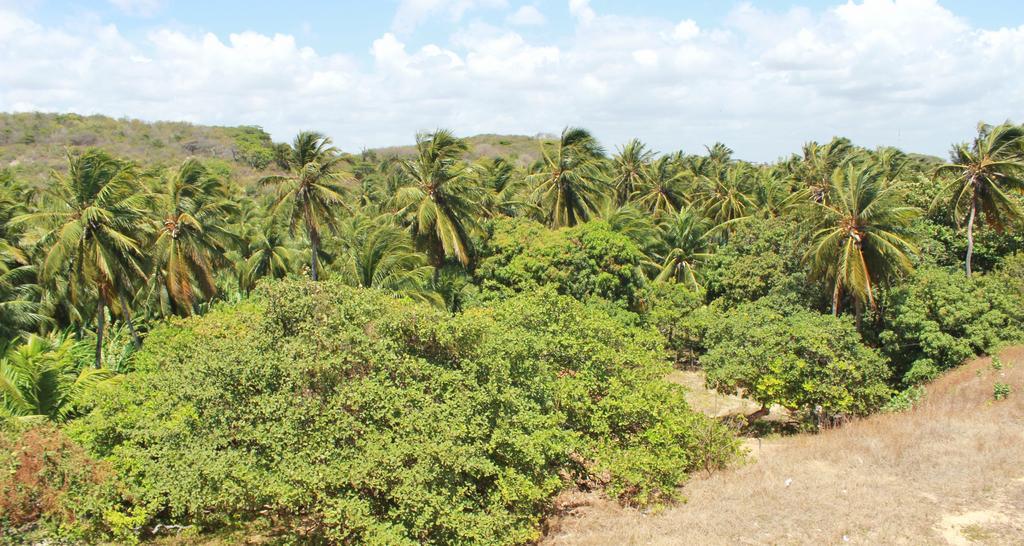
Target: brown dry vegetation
522, 150
951, 471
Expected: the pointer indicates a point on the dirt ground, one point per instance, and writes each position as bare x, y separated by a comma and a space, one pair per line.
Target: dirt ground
950, 471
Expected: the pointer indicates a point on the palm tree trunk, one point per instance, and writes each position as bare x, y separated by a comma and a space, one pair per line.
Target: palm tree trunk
99, 333
970, 234
858, 307
835, 299
128, 319
314, 245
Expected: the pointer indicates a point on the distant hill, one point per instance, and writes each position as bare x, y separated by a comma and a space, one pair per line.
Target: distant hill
523, 150
33, 144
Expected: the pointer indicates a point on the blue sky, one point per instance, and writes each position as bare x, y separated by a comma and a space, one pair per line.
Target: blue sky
761, 76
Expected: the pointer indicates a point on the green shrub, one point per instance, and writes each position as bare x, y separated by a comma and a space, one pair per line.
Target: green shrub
46, 481
353, 417
586, 261
905, 399
1000, 391
671, 309
798, 359
760, 259
940, 318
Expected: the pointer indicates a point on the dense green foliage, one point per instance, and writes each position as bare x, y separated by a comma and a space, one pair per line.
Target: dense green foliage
940, 318
478, 331
795, 358
587, 261
367, 419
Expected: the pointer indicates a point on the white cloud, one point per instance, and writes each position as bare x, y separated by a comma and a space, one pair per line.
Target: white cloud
138, 7
526, 15
581, 10
906, 72
687, 29
411, 13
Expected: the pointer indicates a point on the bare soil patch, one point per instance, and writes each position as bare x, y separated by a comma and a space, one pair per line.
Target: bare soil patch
950, 471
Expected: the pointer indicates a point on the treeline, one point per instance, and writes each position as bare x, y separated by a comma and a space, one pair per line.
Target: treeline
109, 241
832, 283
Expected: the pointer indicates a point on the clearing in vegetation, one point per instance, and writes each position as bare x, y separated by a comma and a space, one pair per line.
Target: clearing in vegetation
949, 471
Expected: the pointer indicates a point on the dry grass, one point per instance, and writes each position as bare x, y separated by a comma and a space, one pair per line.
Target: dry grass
951, 471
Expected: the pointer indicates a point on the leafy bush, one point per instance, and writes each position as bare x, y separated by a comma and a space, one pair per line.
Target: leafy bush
941, 318
670, 308
1000, 391
795, 358
346, 415
44, 479
253, 147
760, 259
586, 261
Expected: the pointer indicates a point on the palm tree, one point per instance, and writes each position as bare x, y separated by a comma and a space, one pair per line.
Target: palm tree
377, 253
985, 172
724, 196
569, 186
311, 194
439, 201
813, 171
269, 256
43, 378
687, 248
503, 186
19, 297
92, 221
862, 235
192, 205
662, 188
19, 293
628, 169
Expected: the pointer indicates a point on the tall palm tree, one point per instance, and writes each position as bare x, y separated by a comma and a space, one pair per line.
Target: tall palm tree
193, 207
42, 378
269, 255
813, 171
92, 221
311, 194
19, 293
662, 188
725, 196
439, 201
503, 187
378, 253
687, 248
569, 185
862, 234
984, 174
628, 169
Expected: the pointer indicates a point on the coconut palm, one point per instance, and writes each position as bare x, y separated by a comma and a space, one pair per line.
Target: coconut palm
813, 171
191, 206
628, 168
503, 187
19, 293
984, 175
91, 221
311, 194
687, 248
568, 185
378, 253
269, 255
724, 197
662, 188
43, 378
438, 200
862, 235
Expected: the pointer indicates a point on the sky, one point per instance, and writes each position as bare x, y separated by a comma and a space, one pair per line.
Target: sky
764, 77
